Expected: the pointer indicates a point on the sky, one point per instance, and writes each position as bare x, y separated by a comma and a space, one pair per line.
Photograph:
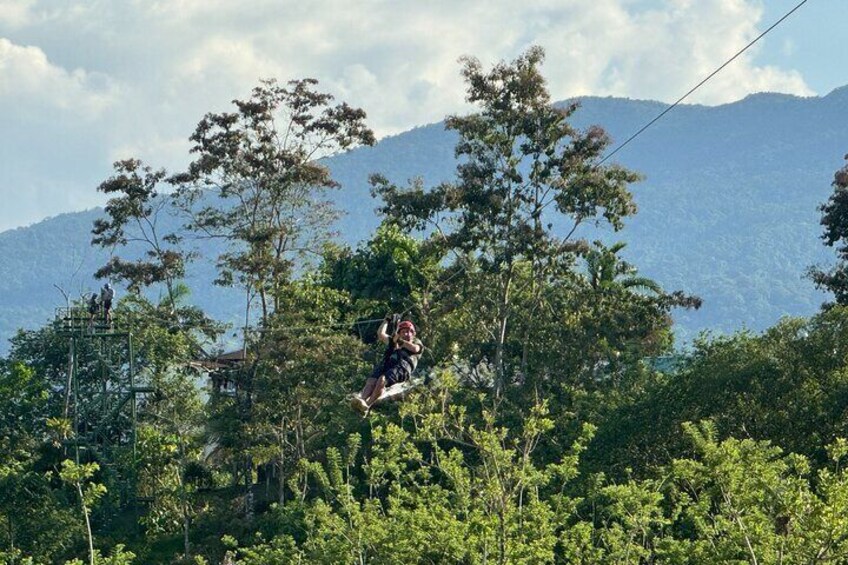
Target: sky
84, 83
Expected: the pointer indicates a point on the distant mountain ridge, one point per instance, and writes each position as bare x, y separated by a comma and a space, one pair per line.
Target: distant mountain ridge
728, 209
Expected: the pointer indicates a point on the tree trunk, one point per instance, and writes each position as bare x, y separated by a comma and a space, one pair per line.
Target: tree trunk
281, 498
503, 319
249, 506
87, 524
184, 501
186, 528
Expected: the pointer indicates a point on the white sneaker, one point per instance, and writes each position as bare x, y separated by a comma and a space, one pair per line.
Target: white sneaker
364, 406
358, 404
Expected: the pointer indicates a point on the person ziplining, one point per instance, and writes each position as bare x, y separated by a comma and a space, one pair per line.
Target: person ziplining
399, 361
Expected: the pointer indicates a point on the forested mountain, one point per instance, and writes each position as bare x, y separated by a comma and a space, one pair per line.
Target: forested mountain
727, 210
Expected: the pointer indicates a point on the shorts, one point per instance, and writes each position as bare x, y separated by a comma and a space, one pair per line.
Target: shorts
394, 374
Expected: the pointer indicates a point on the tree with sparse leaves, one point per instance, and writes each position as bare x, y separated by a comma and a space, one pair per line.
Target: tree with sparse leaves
258, 184
135, 213
522, 167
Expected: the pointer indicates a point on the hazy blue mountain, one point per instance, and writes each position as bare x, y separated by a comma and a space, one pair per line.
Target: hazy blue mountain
727, 210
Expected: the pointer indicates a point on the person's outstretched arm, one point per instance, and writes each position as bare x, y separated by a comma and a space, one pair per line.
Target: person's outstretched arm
381, 332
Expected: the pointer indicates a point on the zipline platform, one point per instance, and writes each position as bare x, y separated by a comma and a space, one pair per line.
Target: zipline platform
76, 320
100, 394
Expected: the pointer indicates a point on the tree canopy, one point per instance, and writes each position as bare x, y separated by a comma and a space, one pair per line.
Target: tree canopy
835, 222
557, 425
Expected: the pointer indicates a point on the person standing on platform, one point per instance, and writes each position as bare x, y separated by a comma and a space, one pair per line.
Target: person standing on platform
107, 294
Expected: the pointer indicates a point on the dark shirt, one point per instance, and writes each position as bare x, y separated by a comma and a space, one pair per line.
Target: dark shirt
402, 356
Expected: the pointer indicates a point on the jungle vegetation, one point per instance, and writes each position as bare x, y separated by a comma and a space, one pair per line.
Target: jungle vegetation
557, 422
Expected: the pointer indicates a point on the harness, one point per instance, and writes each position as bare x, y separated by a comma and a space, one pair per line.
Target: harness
391, 329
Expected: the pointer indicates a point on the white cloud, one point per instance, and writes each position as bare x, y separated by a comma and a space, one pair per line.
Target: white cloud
663, 51
217, 59
133, 78
15, 13
32, 84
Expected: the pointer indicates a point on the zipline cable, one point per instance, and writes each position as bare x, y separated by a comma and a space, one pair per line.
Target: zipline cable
697, 86
410, 303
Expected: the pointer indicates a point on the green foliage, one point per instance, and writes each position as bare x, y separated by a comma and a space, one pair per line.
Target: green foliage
444, 491
545, 435
835, 222
286, 406
134, 216
23, 403
258, 184
386, 274
281, 549
36, 520
787, 385
118, 556
79, 476
452, 480
50, 525
520, 162
734, 501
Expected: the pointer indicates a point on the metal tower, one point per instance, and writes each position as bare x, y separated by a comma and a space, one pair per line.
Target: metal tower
101, 392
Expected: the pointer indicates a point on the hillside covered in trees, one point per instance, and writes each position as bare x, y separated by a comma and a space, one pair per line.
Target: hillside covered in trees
554, 422
728, 210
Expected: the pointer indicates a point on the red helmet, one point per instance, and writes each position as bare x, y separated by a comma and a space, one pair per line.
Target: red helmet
406, 324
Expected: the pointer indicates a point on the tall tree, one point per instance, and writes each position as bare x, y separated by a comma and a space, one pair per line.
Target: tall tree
258, 184
134, 215
521, 166
314, 364
835, 222
80, 478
